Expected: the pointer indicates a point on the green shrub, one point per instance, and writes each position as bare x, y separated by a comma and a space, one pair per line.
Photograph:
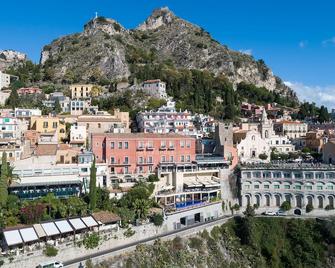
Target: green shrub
152, 178
309, 208
91, 241
285, 206
129, 232
195, 242
263, 156
158, 219
329, 207
50, 251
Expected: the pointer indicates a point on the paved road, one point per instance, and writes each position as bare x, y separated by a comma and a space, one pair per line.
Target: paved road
79, 260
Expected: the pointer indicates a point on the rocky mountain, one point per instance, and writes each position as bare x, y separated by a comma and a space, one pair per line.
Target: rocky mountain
105, 49
9, 58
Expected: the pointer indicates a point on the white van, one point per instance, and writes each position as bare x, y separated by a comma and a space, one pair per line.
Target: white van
53, 264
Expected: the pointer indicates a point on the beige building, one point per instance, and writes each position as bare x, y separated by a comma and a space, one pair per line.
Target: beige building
49, 124
81, 91
291, 129
116, 123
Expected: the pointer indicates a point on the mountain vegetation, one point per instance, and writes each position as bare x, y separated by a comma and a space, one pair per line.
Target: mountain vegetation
242, 242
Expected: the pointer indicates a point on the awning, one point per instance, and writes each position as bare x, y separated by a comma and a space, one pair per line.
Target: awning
50, 228
63, 226
193, 184
77, 224
89, 221
39, 230
28, 234
13, 237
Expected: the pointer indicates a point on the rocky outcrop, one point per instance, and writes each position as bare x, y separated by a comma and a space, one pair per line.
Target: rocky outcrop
9, 58
102, 51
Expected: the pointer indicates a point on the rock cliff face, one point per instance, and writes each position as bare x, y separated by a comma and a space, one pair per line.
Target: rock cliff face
9, 58
102, 50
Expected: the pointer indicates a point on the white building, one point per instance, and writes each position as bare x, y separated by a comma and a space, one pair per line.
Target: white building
166, 120
300, 184
252, 146
26, 113
4, 95
78, 135
291, 129
12, 128
77, 107
4, 80
155, 88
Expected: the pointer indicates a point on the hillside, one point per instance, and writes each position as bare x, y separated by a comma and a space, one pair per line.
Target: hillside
106, 51
11, 58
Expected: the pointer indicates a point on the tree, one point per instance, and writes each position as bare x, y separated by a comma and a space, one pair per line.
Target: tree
158, 219
323, 114
58, 108
13, 100
309, 208
249, 211
93, 186
152, 178
141, 207
286, 205
91, 241
4, 180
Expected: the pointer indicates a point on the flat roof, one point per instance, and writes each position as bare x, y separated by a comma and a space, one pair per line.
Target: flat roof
89, 221
64, 226
50, 228
28, 234
13, 237
77, 224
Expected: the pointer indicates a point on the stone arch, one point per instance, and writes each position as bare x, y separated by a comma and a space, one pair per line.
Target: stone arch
298, 199
288, 198
277, 200
310, 200
248, 199
331, 201
258, 199
267, 200
320, 201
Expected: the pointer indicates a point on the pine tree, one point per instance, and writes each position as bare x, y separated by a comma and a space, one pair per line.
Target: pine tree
3, 180
13, 100
93, 186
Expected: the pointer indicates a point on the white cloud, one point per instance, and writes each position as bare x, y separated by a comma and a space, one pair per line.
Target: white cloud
303, 44
318, 94
246, 51
330, 41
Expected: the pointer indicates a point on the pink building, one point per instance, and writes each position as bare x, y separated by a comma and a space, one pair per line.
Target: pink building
132, 153
29, 91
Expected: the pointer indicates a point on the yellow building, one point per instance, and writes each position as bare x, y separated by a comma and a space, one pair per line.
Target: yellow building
81, 91
48, 124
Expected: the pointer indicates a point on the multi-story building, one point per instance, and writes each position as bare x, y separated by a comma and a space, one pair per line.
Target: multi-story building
315, 140
116, 123
4, 80
166, 120
64, 101
78, 135
81, 91
300, 184
155, 88
141, 153
24, 113
11, 128
291, 129
77, 107
48, 124
29, 91
4, 95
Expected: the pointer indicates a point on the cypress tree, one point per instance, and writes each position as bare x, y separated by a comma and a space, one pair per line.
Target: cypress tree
3, 180
93, 186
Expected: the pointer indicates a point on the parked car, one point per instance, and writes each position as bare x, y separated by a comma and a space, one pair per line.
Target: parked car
270, 213
281, 213
52, 264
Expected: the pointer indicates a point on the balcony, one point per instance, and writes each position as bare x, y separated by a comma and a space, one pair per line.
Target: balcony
150, 148
171, 148
119, 163
140, 148
162, 148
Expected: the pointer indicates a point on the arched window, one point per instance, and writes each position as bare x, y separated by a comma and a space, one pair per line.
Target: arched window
253, 137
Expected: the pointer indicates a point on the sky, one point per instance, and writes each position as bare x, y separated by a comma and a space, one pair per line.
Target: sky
295, 38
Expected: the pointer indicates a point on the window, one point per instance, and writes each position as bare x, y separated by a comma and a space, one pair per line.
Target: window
112, 145
287, 175
298, 187
256, 186
276, 186
54, 124
188, 144
171, 145
150, 144
126, 160
140, 160
330, 187
188, 158
247, 187
319, 187
99, 125
287, 186
308, 175
45, 124
297, 175
182, 158
308, 187
163, 144
266, 186
126, 145
120, 145
163, 159
150, 159
318, 175
112, 160
182, 144
140, 145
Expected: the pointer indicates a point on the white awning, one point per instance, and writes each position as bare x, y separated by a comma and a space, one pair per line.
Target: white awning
89, 221
13, 238
77, 224
63, 226
28, 234
39, 230
50, 228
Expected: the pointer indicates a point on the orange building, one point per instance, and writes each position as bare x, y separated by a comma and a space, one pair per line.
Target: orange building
133, 153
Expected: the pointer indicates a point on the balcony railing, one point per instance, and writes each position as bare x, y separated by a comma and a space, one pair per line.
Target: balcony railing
140, 148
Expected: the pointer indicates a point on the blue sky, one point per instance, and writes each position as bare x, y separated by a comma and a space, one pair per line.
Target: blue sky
295, 38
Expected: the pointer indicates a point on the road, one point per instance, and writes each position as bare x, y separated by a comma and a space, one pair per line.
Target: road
131, 246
